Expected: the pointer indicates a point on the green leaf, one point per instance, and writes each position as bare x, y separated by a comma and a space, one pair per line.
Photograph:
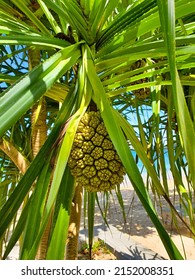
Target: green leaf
36, 209
56, 248
50, 17
16, 198
121, 202
124, 152
73, 15
9, 24
69, 137
24, 8
91, 215
30, 40
63, 155
122, 22
23, 94
185, 123
105, 207
100, 14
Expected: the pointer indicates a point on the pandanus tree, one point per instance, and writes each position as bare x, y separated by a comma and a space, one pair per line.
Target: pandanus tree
67, 68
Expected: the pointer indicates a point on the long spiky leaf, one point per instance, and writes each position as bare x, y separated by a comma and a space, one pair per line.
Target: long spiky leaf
187, 133
21, 5
123, 150
22, 95
18, 195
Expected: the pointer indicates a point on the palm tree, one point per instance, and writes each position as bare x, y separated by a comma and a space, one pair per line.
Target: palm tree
114, 53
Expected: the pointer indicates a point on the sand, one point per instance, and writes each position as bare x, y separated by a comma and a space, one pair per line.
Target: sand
139, 227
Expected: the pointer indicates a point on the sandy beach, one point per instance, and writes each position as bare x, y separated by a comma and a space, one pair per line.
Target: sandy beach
139, 227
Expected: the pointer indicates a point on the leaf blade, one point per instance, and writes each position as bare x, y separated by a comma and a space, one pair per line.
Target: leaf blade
22, 95
123, 150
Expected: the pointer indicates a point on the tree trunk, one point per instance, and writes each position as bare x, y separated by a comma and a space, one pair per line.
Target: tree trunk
39, 113
74, 225
38, 138
39, 127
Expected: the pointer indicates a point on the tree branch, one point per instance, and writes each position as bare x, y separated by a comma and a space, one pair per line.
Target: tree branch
15, 156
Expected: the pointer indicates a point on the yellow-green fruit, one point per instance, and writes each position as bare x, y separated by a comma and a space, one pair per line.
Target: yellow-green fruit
93, 160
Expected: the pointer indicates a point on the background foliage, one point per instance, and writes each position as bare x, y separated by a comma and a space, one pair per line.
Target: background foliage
129, 57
